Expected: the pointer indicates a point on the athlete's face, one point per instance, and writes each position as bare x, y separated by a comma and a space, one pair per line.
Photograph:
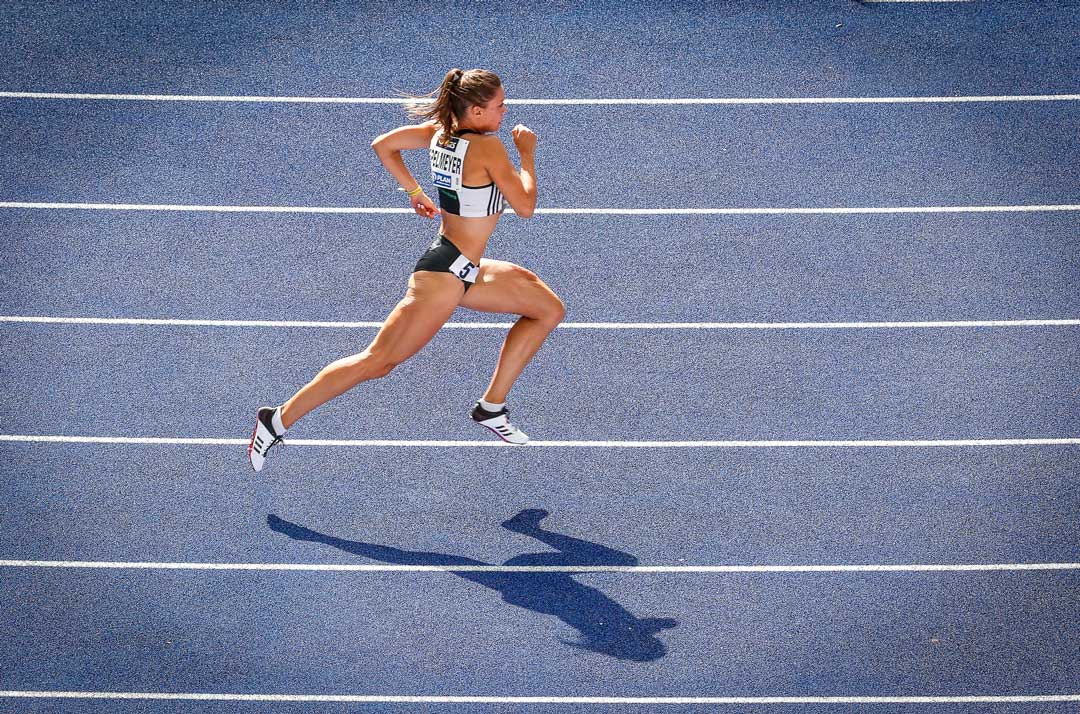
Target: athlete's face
490, 116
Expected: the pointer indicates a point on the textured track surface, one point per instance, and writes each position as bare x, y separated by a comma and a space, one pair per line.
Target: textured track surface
503, 634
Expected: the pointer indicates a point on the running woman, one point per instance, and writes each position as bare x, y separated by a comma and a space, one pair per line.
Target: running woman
473, 174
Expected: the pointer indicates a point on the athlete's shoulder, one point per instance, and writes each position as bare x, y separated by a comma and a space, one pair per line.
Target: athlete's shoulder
485, 144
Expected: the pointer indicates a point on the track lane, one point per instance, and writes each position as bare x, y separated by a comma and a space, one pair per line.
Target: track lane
681, 50
679, 508
607, 269
696, 385
861, 155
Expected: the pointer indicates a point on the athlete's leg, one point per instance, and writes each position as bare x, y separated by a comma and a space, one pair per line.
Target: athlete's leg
505, 287
428, 303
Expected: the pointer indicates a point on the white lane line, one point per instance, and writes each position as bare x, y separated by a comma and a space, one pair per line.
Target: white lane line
204, 209
370, 324
493, 443
842, 210
629, 569
639, 101
221, 323
391, 699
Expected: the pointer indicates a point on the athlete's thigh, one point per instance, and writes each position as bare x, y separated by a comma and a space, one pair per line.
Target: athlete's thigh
505, 287
428, 303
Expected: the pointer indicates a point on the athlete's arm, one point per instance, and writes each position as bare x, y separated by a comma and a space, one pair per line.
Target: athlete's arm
388, 148
519, 188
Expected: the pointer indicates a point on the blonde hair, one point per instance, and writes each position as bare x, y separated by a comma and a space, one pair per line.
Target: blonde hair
460, 89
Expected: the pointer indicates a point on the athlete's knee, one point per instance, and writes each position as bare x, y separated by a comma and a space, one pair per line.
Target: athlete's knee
545, 305
552, 310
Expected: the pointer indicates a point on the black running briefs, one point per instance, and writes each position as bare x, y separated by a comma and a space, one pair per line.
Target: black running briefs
444, 257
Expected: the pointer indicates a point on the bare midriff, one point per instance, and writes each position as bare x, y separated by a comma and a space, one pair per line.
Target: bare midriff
470, 235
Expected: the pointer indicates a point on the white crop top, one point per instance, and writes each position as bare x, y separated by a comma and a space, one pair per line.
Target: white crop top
447, 161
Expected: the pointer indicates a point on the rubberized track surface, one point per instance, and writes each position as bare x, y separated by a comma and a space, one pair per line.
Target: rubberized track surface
407, 605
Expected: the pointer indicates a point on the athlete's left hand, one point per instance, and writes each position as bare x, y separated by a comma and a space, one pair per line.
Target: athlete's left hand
423, 205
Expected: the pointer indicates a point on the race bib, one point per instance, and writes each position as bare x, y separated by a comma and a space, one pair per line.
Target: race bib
464, 269
447, 161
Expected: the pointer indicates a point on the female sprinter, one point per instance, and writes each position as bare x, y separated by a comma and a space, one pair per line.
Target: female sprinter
472, 172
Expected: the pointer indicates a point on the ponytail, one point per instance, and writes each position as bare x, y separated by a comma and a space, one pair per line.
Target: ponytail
459, 90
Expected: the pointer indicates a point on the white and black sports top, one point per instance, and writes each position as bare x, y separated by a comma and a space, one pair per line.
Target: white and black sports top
455, 197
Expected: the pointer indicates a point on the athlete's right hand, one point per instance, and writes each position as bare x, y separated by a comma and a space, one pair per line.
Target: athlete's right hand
524, 139
423, 205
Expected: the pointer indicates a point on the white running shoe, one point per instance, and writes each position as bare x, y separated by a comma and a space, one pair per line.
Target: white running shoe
500, 424
262, 438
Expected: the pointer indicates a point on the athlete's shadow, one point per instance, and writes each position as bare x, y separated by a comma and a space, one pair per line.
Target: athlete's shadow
605, 625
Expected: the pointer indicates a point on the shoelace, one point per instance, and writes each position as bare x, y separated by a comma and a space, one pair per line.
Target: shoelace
509, 428
258, 444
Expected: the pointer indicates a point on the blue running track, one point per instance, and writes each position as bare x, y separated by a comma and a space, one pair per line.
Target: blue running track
616, 573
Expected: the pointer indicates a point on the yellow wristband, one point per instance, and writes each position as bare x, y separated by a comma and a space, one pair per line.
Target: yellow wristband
416, 191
